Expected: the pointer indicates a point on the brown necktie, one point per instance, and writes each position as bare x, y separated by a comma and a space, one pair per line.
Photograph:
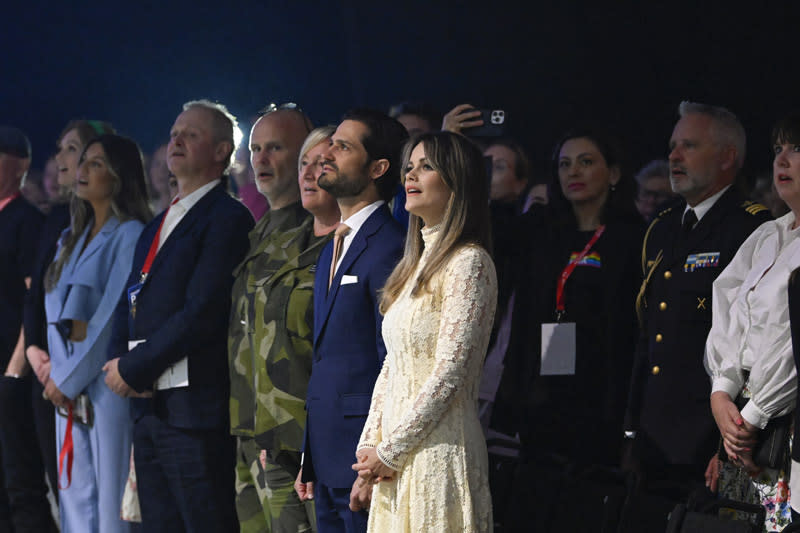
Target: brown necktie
338, 243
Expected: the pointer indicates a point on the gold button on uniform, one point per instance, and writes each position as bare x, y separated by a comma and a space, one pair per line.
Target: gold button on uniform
655, 370
667, 274
659, 338
662, 306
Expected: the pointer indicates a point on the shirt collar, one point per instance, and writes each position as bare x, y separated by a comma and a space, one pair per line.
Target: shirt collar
194, 197
357, 219
703, 207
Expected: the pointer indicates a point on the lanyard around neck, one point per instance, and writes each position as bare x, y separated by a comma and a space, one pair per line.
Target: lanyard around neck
567, 272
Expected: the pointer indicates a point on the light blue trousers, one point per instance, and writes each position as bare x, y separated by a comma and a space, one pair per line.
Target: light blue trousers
91, 504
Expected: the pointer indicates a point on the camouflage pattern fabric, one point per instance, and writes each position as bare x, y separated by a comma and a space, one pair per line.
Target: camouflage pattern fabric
252, 505
270, 346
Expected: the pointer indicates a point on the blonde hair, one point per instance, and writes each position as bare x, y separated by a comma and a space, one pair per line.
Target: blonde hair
315, 136
465, 222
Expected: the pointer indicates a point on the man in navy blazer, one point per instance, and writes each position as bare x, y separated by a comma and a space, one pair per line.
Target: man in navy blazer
169, 345
361, 170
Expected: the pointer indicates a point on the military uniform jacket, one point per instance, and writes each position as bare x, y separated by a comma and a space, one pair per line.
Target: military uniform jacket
670, 390
270, 341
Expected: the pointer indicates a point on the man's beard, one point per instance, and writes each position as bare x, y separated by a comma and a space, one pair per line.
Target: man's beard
342, 185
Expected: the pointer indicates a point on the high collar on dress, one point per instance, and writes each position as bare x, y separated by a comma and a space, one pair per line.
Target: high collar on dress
430, 234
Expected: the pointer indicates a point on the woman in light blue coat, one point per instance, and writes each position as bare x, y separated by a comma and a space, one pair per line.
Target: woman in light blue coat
84, 284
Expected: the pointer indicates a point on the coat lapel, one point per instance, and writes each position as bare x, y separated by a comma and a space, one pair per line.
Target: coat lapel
356, 249
197, 212
97, 242
681, 246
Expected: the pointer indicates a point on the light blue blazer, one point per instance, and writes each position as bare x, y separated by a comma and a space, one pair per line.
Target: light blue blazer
89, 289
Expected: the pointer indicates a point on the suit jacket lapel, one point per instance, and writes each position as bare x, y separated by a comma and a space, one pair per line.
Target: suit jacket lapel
710, 221
354, 251
97, 242
196, 212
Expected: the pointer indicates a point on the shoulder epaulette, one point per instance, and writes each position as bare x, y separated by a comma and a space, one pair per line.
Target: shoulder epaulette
753, 207
664, 212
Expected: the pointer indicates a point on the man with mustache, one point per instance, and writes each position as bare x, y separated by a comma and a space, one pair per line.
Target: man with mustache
270, 357
361, 169
671, 430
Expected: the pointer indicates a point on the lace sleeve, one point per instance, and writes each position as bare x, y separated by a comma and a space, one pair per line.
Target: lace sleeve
469, 298
371, 434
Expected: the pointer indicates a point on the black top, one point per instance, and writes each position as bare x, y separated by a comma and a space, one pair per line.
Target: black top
35, 320
20, 224
556, 414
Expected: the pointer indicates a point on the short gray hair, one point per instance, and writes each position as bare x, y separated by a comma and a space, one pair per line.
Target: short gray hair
223, 123
728, 130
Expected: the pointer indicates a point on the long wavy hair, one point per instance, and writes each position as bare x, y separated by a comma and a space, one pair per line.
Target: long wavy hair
466, 219
128, 197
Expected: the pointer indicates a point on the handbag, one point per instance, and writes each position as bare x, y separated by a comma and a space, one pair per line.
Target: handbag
772, 448
129, 509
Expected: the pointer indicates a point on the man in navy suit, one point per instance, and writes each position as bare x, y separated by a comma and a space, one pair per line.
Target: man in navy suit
361, 169
169, 345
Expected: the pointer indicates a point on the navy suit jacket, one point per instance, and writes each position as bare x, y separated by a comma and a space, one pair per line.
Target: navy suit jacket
182, 311
348, 348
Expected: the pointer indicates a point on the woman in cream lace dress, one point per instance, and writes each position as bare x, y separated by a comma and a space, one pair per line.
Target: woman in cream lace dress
422, 446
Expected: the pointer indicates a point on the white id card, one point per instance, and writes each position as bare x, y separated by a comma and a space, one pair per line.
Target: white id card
175, 376
558, 349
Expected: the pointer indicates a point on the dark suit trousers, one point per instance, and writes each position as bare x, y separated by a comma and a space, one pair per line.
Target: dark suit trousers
24, 500
333, 511
185, 477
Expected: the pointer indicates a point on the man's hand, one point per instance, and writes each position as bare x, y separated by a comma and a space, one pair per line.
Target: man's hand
370, 467
52, 393
40, 362
305, 491
360, 494
738, 435
115, 381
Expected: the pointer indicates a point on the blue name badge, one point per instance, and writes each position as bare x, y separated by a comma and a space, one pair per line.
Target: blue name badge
703, 260
133, 297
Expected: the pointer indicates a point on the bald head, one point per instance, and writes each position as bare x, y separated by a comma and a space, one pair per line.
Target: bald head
275, 143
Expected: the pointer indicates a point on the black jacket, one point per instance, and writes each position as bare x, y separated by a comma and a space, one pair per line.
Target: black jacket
670, 389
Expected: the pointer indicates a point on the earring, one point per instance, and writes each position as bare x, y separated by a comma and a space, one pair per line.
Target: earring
613, 188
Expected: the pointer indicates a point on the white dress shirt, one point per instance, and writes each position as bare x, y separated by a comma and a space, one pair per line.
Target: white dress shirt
179, 209
354, 222
750, 323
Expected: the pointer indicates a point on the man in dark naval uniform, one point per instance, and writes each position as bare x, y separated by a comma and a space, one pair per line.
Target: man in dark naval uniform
687, 245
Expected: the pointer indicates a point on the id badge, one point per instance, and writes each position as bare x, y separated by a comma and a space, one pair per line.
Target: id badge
558, 349
133, 296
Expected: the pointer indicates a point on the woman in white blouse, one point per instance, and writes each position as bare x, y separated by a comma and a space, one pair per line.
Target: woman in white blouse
749, 349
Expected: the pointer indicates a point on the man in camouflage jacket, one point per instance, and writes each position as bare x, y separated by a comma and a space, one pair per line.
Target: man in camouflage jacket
270, 340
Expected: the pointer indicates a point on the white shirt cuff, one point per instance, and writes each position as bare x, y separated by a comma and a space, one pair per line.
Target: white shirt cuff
754, 415
721, 383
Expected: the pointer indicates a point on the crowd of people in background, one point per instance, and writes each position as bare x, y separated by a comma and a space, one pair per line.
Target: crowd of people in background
394, 324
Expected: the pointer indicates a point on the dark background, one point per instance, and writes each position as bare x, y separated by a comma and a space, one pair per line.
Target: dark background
550, 66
